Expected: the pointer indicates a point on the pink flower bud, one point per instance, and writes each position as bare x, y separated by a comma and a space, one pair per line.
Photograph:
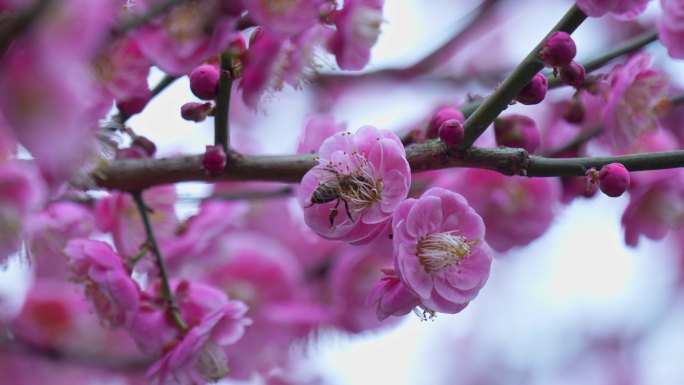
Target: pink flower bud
451, 132
204, 81
613, 179
558, 50
131, 153
147, 145
574, 111
573, 74
517, 131
134, 104
196, 112
535, 91
214, 160
440, 116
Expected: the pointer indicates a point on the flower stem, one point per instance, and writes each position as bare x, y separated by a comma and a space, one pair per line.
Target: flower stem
498, 101
166, 288
221, 118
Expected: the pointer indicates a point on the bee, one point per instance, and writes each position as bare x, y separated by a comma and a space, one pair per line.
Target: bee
336, 188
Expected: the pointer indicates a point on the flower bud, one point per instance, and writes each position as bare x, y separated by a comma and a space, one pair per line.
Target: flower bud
204, 81
131, 153
214, 160
613, 179
196, 112
135, 104
517, 131
573, 74
147, 145
440, 116
535, 91
558, 50
574, 111
451, 132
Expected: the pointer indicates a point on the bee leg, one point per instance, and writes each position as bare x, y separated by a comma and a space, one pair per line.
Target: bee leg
333, 213
346, 208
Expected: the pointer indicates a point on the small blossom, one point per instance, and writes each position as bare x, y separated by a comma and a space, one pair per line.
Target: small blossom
204, 81
317, 129
360, 180
214, 159
671, 27
358, 28
535, 91
517, 131
635, 97
558, 50
114, 295
439, 250
440, 116
451, 132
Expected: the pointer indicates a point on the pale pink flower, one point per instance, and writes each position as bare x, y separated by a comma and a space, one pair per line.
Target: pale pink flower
656, 205
621, 9
358, 28
118, 214
21, 191
391, 296
440, 252
635, 97
186, 35
671, 27
107, 282
516, 210
368, 175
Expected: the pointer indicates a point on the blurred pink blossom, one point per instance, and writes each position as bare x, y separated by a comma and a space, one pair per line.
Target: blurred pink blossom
622, 9
671, 27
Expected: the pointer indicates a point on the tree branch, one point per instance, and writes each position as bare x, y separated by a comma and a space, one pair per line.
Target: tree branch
13, 27
221, 115
498, 101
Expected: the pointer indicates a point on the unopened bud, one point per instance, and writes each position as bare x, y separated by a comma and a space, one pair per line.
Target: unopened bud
517, 131
613, 179
214, 160
451, 132
574, 111
440, 116
196, 112
134, 104
535, 91
573, 74
204, 81
558, 50
147, 145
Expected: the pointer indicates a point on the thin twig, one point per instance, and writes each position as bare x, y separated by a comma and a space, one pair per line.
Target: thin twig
221, 114
498, 101
171, 305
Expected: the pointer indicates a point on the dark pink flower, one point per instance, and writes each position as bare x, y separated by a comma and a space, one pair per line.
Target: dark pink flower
636, 96
622, 9
440, 250
671, 27
360, 180
107, 283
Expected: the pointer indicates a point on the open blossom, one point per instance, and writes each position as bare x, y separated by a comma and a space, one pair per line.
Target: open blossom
439, 250
622, 9
635, 98
671, 27
516, 210
108, 285
358, 28
285, 17
360, 180
391, 296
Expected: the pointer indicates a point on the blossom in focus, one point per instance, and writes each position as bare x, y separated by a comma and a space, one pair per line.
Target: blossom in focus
635, 97
622, 9
671, 27
20, 193
360, 180
107, 283
358, 28
516, 210
440, 252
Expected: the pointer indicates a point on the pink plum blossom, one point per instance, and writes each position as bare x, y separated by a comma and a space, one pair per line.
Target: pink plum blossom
622, 9
440, 252
391, 296
516, 210
656, 205
370, 176
122, 70
186, 35
635, 97
358, 28
21, 191
285, 18
671, 27
107, 282
317, 129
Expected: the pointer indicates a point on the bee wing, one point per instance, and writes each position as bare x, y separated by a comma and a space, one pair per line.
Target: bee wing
324, 174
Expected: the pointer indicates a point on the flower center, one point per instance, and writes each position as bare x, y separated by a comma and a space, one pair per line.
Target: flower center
184, 23
439, 251
362, 190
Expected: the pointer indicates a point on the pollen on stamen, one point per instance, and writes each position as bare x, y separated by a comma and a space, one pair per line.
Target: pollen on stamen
440, 251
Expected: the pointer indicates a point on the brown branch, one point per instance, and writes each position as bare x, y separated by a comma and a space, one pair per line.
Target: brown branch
13, 27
